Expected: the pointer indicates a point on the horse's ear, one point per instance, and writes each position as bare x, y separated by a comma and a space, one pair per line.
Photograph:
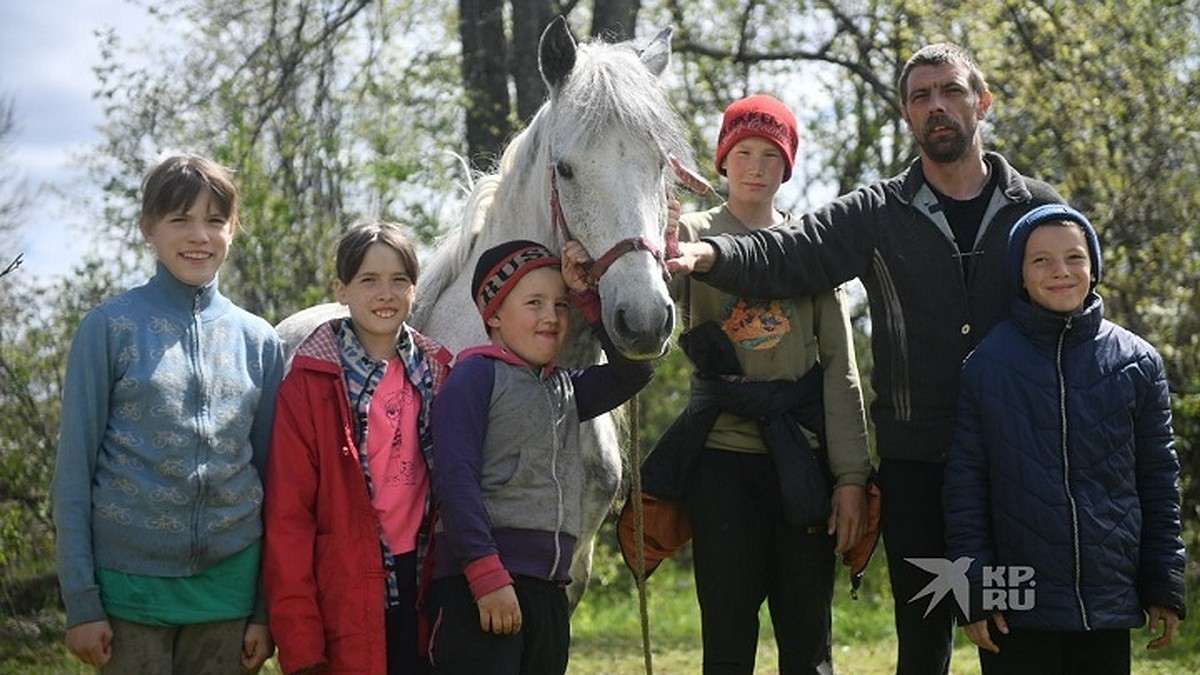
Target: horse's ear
657, 54
556, 53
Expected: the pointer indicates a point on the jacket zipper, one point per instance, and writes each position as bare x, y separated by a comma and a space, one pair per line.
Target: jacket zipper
1062, 410
558, 416
202, 432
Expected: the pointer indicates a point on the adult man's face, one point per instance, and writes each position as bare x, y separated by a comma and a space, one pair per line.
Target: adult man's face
943, 111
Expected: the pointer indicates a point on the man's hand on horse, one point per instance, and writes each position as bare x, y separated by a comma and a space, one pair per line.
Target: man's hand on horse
671, 232
694, 256
684, 257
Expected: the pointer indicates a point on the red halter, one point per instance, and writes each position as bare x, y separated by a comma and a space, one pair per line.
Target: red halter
599, 266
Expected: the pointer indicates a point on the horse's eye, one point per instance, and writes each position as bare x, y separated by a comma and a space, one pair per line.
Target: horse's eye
564, 170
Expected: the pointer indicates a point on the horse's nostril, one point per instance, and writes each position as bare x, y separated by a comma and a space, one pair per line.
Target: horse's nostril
622, 324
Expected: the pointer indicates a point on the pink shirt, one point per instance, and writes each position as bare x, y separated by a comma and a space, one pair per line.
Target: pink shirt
398, 470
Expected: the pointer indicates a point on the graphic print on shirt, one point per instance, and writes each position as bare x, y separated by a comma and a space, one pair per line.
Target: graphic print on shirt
400, 471
756, 325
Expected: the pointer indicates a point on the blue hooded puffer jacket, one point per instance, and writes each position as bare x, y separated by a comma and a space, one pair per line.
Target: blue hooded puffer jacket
1064, 462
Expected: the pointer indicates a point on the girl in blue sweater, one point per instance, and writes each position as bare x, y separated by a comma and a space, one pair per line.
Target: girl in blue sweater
167, 414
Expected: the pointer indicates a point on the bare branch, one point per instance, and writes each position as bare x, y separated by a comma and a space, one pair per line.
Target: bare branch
884, 91
12, 266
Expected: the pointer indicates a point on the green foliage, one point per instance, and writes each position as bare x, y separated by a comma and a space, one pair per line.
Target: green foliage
34, 336
36, 322
328, 112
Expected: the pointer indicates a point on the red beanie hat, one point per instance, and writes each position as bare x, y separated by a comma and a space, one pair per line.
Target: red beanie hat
761, 116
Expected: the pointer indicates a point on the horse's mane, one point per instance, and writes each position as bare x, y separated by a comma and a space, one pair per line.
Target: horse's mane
608, 86
454, 249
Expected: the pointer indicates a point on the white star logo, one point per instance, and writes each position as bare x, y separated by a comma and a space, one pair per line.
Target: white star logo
950, 577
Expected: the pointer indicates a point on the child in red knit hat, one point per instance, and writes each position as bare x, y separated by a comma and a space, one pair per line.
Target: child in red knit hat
755, 536
761, 117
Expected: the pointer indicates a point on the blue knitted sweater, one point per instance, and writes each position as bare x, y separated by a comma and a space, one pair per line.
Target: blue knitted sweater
166, 422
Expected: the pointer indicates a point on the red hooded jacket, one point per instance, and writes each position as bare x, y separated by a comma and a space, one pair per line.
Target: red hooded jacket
322, 568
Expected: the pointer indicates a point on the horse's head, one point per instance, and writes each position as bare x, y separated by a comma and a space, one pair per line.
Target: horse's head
605, 137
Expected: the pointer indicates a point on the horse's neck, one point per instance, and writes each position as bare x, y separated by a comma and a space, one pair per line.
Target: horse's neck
521, 209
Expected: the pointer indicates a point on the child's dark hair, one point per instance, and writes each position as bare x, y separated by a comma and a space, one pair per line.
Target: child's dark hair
177, 181
353, 245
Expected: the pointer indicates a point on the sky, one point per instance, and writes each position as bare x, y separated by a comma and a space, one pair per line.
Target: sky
47, 52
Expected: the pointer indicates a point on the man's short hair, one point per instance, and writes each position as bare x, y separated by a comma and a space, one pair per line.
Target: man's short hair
938, 54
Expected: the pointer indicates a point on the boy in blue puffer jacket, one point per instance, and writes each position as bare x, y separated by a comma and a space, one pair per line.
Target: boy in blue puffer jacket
1064, 466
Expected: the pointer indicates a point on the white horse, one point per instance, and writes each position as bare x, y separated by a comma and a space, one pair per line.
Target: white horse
592, 166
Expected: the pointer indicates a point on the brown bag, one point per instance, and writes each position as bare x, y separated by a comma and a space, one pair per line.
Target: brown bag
860, 554
666, 529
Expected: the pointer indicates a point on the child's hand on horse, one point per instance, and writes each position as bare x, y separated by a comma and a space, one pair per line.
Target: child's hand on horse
575, 260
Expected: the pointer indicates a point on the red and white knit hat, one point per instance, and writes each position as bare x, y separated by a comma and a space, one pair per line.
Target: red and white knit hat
501, 267
762, 116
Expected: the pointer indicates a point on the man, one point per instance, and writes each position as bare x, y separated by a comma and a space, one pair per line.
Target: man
929, 246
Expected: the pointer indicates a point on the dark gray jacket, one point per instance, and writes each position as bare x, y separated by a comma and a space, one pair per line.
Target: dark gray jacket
925, 314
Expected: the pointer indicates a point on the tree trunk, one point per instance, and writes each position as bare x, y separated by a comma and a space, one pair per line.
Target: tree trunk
529, 18
485, 79
615, 20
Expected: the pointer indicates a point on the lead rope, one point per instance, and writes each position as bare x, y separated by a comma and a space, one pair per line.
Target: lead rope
639, 531
695, 183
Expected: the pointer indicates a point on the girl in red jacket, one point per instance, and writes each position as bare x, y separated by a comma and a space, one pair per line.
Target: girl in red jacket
347, 493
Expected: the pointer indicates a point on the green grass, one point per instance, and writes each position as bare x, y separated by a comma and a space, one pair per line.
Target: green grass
606, 628
606, 631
